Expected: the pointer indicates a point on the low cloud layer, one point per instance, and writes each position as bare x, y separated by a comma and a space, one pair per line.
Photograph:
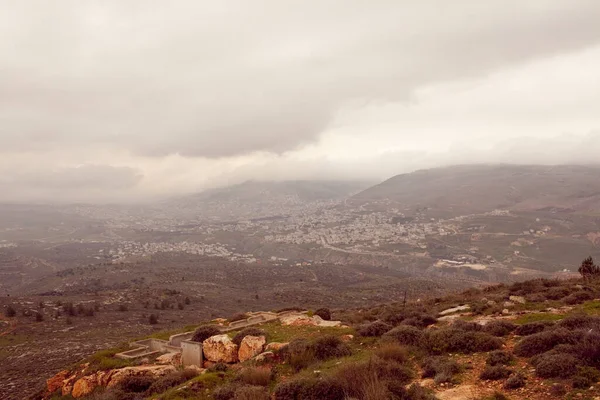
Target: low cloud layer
114, 100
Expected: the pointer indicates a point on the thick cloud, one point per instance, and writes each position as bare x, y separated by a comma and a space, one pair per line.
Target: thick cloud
108, 99
224, 78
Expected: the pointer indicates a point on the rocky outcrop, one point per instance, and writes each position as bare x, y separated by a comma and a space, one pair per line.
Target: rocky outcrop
265, 357
154, 371
220, 348
169, 359
250, 347
275, 346
518, 299
56, 382
305, 320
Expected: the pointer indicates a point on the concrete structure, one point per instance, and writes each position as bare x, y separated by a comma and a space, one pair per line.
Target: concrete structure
191, 352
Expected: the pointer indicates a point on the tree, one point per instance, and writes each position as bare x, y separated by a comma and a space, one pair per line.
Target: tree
588, 269
153, 319
10, 311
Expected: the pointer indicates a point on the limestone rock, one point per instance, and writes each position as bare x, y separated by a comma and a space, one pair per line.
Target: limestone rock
275, 346
347, 338
267, 356
156, 371
220, 348
518, 299
85, 386
250, 347
68, 383
56, 382
508, 304
169, 359
305, 320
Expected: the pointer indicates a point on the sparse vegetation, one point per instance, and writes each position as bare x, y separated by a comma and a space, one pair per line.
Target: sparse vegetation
494, 373
204, 332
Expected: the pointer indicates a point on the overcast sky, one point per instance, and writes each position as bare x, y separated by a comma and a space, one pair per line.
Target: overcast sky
125, 99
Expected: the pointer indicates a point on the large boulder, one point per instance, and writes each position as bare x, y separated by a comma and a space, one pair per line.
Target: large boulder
85, 386
154, 371
251, 346
56, 382
220, 348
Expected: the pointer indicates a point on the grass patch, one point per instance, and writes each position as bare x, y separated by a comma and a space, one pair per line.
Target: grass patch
591, 307
537, 317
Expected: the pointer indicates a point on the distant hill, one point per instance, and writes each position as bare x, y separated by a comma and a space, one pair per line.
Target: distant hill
264, 198
481, 188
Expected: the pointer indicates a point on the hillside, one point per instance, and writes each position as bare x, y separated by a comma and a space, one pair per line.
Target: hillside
533, 340
470, 189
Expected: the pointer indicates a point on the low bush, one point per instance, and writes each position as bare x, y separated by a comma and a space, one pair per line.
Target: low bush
419, 320
499, 357
226, 391
494, 373
585, 377
374, 329
251, 331
309, 389
255, 376
533, 327
579, 321
557, 293
467, 326
392, 351
136, 384
251, 393
299, 354
578, 297
406, 335
417, 392
324, 313
499, 328
363, 378
204, 332
542, 342
218, 367
515, 381
558, 390
555, 365
588, 349
496, 396
166, 382
441, 369
459, 341
330, 346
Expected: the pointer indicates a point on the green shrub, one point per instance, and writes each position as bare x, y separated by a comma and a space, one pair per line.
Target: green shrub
494, 373
558, 389
251, 393
467, 326
417, 392
136, 384
515, 381
578, 297
542, 342
10, 311
392, 351
588, 348
499, 357
166, 382
226, 391
204, 332
459, 341
298, 354
330, 346
579, 321
324, 313
555, 365
419, 320
406, 335
499, 328
441, 369
557, 293
250, 331
586, 377
374, 329
309, 389
533, 327
255, 376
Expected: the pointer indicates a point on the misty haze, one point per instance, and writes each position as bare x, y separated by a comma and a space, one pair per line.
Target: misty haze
260, 199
